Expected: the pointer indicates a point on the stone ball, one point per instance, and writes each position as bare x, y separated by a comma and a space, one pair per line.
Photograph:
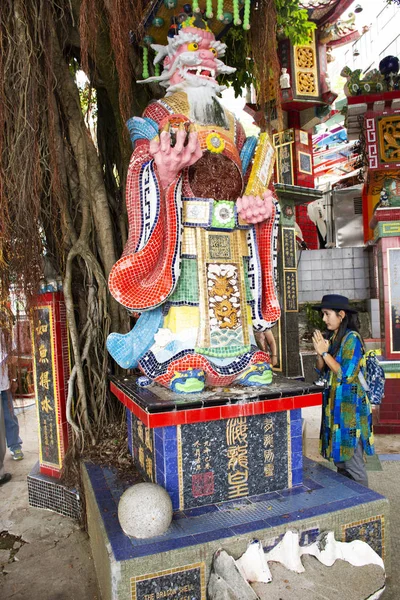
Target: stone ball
145, 510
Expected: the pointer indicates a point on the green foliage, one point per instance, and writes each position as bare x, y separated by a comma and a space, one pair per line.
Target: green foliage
314, 319
88, 99
237, 55
293, 21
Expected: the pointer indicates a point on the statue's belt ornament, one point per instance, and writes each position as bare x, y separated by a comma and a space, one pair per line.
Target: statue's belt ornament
211, 214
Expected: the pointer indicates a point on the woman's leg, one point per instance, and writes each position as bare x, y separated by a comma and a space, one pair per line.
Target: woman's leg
2, 442
355, 467
11, 422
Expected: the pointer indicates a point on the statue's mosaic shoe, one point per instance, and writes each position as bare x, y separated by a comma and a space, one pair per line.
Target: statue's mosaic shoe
188, 382
257, 374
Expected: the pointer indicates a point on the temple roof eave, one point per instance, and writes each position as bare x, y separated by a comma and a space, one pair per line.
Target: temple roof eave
325, 11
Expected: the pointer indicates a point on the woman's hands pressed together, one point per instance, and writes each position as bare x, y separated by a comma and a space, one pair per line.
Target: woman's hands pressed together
319, 342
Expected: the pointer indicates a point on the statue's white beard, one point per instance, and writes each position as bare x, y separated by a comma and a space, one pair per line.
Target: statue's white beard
202, 98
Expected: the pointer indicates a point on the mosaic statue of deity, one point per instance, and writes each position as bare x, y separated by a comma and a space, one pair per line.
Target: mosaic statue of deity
198, 266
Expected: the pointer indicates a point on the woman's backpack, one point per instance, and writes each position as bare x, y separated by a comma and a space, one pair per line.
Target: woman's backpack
372, 377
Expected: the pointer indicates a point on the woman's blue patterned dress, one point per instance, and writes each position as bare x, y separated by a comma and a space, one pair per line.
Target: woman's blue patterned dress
346, 410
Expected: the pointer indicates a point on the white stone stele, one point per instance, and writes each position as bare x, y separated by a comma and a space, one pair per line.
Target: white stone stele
145, 510
253, 564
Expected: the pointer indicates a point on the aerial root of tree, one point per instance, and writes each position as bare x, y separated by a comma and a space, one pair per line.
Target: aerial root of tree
61, 189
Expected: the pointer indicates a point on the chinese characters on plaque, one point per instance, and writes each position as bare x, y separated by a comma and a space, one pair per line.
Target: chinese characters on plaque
238, 468
289, 269
142, 445
269, 447
222, 460
289, 248
203, 478
51, 373
283, 143
290, 289
45, 377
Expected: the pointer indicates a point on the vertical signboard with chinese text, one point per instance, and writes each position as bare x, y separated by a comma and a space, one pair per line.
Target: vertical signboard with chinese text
289, 248
51, 371
289, 269
283, 143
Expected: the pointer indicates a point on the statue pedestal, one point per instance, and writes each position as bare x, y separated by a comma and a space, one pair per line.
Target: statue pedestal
246, 431
177, 564
219, 445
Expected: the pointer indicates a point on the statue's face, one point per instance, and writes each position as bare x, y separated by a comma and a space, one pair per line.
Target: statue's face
196, 61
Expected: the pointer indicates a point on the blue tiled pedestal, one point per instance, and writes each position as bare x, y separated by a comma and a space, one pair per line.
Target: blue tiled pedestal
216, 461
217, 446
178, 562
234, 469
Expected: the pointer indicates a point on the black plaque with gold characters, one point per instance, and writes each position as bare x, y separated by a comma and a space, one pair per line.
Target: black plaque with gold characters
181, 583
46, 399
233, 458
285, 164
394, 290
143, 448
290, 290
283, 143
289, 247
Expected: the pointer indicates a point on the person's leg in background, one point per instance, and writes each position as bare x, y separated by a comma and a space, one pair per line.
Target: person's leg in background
12, 426
4, 477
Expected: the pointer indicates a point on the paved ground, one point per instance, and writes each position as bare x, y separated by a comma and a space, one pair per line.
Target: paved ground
386, 482
54, 560
44, 556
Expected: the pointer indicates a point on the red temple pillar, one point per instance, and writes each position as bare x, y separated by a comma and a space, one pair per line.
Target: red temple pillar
386, 225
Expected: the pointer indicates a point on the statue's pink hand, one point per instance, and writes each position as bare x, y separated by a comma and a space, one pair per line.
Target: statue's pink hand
254, 209
170, 160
